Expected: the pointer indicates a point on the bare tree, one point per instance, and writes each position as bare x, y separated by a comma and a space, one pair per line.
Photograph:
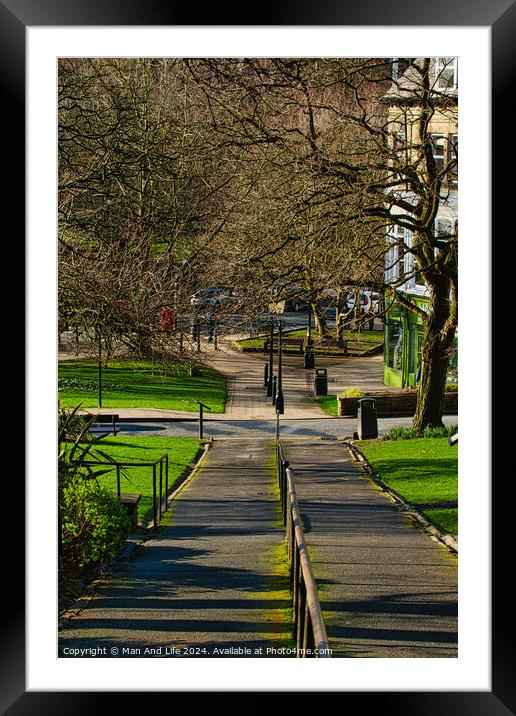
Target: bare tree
338, 153
139, 197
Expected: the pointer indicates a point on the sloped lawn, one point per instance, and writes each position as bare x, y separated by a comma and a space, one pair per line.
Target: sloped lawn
182, 452
129, 384
424, 471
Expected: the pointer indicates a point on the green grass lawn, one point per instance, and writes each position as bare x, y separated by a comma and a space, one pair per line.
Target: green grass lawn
328, 403
422, 470
182, 452
139, 384
445, 520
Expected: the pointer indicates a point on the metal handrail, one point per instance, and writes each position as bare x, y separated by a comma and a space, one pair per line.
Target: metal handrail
157, 506
309, 628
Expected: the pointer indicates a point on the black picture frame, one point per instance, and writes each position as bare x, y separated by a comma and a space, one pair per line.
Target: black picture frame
500, 16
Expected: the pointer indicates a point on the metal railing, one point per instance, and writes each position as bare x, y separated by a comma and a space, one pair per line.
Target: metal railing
309, 631
159, 495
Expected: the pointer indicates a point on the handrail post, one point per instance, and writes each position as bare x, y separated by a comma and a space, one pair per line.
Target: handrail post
166, 481
154, 501
201, 423
160, 489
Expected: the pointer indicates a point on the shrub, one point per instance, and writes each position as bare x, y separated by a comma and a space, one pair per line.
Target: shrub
441, 432
401, 433
94, 523
451, 387
352, 393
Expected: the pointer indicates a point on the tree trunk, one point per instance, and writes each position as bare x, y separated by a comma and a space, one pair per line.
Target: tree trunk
339, 316
320, 321
430, 401
436, 351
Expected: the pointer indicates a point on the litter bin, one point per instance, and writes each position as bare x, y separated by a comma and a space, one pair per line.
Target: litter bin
309, 358
367, 427
321, 381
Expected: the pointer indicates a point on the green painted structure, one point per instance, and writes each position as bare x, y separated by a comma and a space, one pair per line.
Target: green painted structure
403, 336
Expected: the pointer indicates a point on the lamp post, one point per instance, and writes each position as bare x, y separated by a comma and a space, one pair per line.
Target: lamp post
309, 352
99, 338
280, 405
271, 359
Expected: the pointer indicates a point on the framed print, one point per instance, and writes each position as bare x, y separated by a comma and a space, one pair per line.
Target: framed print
35, 34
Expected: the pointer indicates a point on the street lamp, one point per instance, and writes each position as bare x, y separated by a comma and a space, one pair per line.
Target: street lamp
276, 391
271, 359
279, 402
98, 333
309, 352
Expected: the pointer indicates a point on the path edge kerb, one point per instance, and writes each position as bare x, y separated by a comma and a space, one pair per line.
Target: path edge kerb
446, 539
182, 483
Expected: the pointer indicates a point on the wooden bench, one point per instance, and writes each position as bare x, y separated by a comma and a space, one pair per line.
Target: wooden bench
286, 343
103, 418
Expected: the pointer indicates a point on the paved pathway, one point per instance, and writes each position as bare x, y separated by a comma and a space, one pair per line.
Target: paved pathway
208, 580
386, 589
323, 427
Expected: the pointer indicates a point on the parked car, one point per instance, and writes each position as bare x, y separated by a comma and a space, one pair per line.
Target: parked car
374, 302
299, 303
292, 294
369, 301
213, 297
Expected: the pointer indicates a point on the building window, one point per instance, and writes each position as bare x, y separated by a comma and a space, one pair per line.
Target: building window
401, 236
447, 74
443, 231
391, 261
439, 151
399, 145
395, 345
444, 228
453, 153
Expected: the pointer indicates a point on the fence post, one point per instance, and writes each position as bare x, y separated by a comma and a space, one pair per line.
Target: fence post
284, 465
303, 613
